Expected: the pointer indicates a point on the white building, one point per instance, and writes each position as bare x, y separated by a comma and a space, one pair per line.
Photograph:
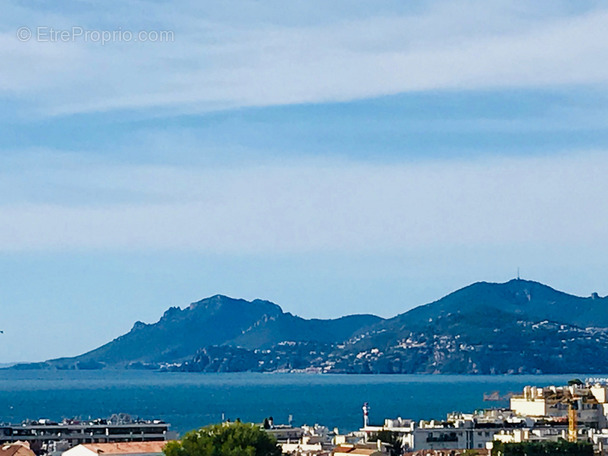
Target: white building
590, 403
458, 432
538, 414
315, 441
303, 448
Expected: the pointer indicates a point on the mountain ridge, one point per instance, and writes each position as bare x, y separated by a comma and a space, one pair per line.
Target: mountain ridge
518, 326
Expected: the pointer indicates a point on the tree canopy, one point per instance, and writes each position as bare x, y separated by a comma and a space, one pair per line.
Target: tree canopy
233, 439
395, 446
560, 448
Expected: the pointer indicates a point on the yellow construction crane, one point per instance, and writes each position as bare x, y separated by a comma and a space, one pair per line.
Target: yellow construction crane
572, 420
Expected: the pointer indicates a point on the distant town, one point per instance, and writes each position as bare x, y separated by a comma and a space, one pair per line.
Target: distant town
576, 412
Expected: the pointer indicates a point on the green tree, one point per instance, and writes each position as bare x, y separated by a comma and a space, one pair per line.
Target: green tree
393, 441
560, 448
235, 439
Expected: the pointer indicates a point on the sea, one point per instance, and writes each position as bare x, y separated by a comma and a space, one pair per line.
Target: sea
190, 400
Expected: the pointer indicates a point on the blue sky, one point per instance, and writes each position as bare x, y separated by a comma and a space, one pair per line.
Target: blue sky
358, 157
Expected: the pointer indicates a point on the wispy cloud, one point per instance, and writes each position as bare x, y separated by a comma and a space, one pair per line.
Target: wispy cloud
268, 57
310, 207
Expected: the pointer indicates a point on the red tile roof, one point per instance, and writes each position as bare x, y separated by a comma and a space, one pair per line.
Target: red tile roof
354, 450
126, 447
16, 449
448, 452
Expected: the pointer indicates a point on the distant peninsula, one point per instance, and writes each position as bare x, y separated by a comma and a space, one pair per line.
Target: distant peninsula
517, 327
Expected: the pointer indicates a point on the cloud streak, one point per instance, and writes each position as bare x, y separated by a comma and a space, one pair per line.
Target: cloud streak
313, 207
273, 59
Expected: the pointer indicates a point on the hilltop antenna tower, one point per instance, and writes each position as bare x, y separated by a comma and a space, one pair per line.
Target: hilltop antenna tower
518, 273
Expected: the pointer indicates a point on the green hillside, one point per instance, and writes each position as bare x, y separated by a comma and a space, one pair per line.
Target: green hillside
485, 328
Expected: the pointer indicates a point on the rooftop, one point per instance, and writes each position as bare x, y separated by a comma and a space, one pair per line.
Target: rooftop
15, 449
126, 447
354, 450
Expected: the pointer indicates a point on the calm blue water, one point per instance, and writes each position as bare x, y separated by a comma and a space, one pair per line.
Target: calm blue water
190, 400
